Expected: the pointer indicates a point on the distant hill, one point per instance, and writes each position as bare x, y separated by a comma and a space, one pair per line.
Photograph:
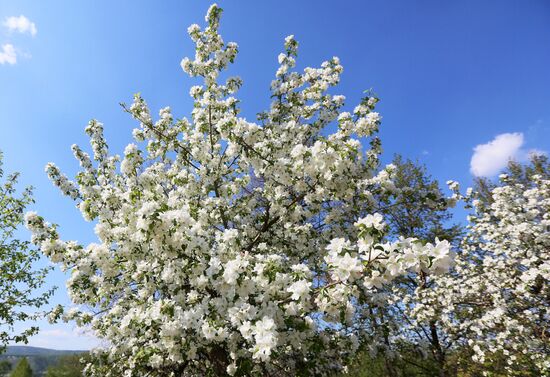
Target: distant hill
33, 351
39, 358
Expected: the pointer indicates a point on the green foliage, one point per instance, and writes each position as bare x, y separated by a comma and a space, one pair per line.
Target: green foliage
415, 214
22, 369
411, 364
365, 365
5, 367
68, 366
18, 281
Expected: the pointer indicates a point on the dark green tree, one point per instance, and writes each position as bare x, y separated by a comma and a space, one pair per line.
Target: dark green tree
68, 366
22, 369
19, 282
5, 367
419, 209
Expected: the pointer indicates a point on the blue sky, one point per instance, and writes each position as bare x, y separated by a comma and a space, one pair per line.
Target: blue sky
451, 76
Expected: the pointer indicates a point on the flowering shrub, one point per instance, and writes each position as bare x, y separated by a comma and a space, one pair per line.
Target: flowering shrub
230, 246
497, 301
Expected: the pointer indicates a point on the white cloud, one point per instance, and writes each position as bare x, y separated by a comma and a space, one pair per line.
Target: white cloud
20, 24
490, 158
8, 55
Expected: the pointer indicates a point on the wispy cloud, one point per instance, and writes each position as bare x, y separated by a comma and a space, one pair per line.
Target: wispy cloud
490, 158
8, 55
56, 333
64, 337
20, 24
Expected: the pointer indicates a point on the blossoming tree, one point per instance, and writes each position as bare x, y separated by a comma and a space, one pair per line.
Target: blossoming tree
498, 300
227, 246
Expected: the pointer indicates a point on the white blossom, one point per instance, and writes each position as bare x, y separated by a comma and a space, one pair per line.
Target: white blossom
214, 251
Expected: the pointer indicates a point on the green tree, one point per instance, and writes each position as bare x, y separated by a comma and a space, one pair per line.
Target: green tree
68, 366
18, 280
417, 209
5, 367
22, 369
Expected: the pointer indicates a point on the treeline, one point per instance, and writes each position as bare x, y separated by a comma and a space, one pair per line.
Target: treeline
45, 366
